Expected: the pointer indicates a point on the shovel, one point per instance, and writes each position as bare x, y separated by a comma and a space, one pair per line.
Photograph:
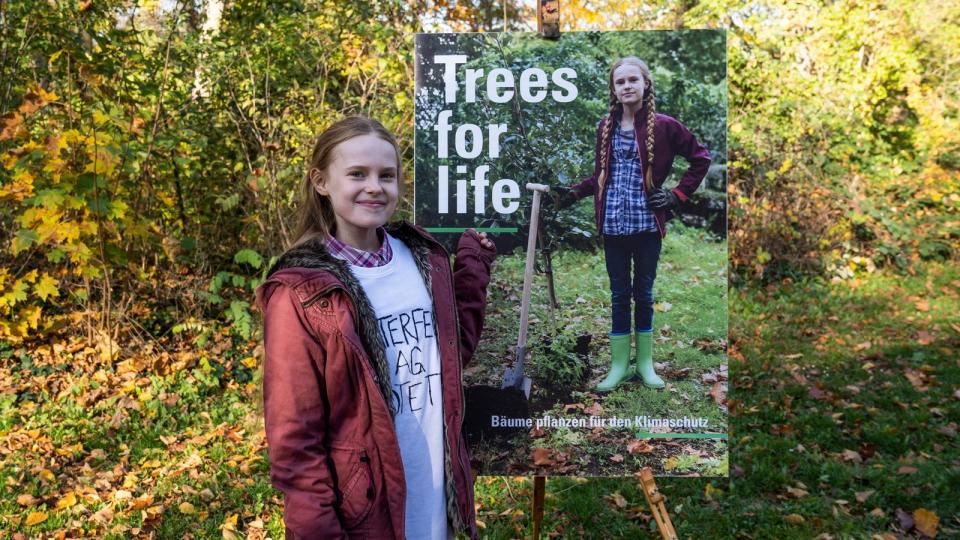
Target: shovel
514, 377
512, 399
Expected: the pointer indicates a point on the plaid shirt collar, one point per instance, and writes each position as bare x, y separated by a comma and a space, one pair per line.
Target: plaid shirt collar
358, 257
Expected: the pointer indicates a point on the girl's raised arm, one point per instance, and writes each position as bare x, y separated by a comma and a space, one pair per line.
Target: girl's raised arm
471, 275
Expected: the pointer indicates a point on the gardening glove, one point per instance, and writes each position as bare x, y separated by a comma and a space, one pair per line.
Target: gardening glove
661, 199
561, 197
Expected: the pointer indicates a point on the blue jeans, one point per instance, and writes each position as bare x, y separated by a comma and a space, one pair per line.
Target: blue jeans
644, 250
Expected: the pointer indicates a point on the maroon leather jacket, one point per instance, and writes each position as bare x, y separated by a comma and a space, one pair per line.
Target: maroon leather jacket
670, 139
327, 404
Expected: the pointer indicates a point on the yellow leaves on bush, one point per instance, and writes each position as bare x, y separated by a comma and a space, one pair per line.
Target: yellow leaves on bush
22, 241
28, 318
17, 291
99, 118
16, 323
787, 163
11, 125
20, 186
46, 287
35, 99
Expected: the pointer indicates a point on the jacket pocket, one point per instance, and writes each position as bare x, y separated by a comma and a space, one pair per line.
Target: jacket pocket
355, 487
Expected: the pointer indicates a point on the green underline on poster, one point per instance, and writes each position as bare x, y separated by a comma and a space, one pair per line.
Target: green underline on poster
478, 229
682, 435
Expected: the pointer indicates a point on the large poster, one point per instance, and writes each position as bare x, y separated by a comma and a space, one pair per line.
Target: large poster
624, 360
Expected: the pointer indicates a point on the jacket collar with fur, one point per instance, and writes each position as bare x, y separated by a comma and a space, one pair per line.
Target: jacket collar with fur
314, 254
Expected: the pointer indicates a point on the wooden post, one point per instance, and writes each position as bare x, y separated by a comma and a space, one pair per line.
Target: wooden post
539, 491
548, 18
548, 24
657, 507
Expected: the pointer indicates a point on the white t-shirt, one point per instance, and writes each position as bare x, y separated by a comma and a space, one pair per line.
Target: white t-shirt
406, 322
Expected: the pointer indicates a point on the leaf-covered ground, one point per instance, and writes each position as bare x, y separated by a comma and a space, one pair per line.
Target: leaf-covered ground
844, 406
690, 348
844, 413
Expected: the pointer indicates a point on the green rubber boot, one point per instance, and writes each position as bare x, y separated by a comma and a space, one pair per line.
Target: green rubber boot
620, 364
645, 360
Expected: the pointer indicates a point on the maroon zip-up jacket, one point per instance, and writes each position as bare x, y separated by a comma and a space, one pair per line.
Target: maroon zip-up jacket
327, 406
670, 139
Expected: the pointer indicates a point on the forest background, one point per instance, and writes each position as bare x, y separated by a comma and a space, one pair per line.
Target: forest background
149, 156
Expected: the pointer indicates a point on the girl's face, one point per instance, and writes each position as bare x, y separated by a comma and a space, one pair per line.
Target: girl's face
362, 183
628, 84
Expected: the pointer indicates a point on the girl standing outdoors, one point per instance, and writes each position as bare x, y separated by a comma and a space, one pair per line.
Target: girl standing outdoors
635, 148
366, 329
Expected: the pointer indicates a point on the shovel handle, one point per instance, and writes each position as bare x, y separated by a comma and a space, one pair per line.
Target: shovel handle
538, 190
543, 188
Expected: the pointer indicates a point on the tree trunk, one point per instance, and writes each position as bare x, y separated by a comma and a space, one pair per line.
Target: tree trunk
211, 26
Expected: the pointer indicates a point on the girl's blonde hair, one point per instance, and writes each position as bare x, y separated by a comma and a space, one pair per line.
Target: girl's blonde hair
617, 108
316, 217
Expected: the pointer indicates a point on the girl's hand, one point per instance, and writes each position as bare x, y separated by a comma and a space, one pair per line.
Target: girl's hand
484, 241
480, 238
561, 196
661, 199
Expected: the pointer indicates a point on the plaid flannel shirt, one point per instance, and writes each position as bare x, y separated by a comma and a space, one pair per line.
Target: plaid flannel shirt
358, 257
626, 211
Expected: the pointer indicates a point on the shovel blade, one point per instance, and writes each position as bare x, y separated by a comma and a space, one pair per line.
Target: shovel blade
512, 379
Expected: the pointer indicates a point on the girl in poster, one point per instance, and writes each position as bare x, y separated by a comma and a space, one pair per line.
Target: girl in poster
635, 148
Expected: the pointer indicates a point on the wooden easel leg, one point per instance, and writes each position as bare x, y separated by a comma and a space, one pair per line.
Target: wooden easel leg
657, 507
539, 491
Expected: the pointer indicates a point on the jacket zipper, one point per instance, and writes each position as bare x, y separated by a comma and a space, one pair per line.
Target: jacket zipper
463, 398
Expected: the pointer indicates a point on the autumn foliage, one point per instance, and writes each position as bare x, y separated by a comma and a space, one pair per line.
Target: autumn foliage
149, 157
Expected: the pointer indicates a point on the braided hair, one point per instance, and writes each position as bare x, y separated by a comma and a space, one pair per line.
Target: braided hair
616, 108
